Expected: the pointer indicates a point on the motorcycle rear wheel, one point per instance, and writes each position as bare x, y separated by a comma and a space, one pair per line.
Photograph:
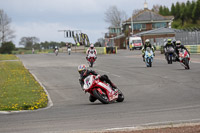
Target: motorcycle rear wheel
100, 97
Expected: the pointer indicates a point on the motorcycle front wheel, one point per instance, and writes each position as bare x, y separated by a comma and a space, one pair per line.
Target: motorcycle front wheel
91, 64
150, 63
101, 97
187, 64
120, 96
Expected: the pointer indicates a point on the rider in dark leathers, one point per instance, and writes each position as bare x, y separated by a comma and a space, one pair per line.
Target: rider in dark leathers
179, 46
169, 44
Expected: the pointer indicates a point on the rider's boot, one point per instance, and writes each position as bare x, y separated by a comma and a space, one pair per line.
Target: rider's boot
143, 57
113, 87
92, 99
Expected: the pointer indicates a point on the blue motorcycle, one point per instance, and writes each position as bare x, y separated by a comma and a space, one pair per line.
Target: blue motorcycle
169, 55
148, 57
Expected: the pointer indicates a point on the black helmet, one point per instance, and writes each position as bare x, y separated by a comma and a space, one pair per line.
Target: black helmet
178, 43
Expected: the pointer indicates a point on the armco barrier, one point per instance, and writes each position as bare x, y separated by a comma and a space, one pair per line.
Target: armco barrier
111, 50
105, 50
100, 50
193, 48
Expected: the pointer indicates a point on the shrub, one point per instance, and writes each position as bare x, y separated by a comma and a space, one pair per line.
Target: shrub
7, 48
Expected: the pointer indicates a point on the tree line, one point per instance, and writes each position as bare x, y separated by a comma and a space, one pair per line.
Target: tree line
189, 11
33, 42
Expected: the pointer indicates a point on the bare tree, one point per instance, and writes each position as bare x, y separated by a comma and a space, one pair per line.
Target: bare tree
114, 16
136, 11
28, 42
156, 8
6, 33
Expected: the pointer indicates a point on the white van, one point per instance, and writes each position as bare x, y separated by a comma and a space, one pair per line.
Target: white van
135, 42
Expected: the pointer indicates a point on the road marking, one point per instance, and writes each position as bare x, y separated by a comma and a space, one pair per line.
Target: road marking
102, 71
116, 75
170, 109
171, 122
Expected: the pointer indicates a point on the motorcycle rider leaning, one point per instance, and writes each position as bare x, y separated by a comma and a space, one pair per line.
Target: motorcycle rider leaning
147, 44
84, 72
179, 46
91, 49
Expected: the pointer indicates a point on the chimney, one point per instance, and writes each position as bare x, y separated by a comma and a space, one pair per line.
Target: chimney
145, 5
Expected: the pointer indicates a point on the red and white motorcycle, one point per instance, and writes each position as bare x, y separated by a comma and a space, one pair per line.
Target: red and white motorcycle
91, 58
184, 58
101, 90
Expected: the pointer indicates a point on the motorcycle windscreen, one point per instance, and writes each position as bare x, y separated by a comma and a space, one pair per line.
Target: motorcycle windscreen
88, 82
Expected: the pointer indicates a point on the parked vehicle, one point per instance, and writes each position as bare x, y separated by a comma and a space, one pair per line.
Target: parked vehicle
135, 43
184, 58
101, 90
169, 55
148, 57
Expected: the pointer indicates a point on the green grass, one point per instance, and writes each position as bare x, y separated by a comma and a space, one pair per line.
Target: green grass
22, 51
7, 57
18, 88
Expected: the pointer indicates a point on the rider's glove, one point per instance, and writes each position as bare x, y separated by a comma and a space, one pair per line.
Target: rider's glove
97, 77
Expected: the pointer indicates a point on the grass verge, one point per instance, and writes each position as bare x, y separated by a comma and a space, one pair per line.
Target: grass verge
7, 57
18, 88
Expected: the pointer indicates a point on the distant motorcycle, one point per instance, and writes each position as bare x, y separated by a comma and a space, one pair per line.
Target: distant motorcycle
56, 52
91, 58
69, 51
148, 57
101, 90
169, 55
184, 58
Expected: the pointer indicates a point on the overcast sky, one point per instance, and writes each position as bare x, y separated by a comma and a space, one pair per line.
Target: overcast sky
43, 18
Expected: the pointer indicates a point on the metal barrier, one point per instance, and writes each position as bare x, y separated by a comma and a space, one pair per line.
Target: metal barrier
193, 48
104, 50
111, 50
188, 37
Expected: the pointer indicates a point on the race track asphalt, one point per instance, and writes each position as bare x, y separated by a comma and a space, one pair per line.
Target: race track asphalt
159, 95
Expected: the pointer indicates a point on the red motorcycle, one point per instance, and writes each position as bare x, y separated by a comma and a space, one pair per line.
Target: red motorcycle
101, 90
91, 58
184, 58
